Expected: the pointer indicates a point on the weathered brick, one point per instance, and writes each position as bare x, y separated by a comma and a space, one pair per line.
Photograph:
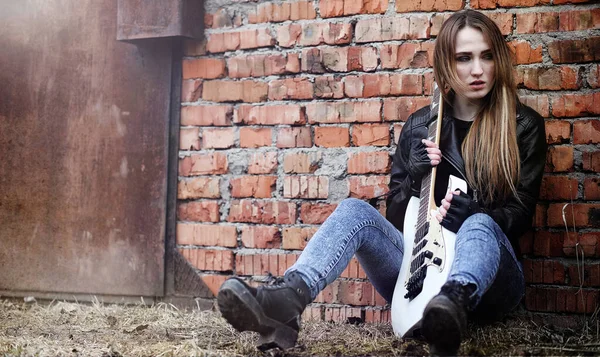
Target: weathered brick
377, 85
558, 131
203, 164
537, 22
209, 259
354, 270
207, 115
309, 187
235, 91
255, 137
575, 51
407, 55
262, 264
220, 19
207, 68
189, 138
272, 12
235, 40
328, 87
339, 59
525, 53
301, 163
559, 159
591, 189
583, 214
314, 34
371, 135
392, 28
297, 237
332, 136
503, 20
368, 162
262, 65
198, 187
586, 131
199, 211
269, 114
368, 186
343, 112
290, 88
548, 244
260, 211
579, 20
578, 244
252, 186
575, 105
549, 78
593, 77
219, 138
191, 90
555, 188
342, 314
262, 163
398, 109
591, 161
315, 213
262, 237
436, 23
335, 8
539, 103
492, 4
294, 137
429, 6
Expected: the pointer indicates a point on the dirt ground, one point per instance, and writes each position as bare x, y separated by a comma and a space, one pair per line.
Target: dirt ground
70, 329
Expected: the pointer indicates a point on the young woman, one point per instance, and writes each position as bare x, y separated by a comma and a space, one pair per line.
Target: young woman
488, 138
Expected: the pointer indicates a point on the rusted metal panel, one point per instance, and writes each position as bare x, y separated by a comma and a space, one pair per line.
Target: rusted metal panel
84, 127
142, 19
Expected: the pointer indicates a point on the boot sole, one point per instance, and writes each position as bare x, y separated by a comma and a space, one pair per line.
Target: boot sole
441, 328
239, 307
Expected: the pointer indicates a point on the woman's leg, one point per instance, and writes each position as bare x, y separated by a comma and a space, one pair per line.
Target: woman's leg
353, 228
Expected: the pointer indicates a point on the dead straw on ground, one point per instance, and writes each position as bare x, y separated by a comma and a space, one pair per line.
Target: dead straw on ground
72, 329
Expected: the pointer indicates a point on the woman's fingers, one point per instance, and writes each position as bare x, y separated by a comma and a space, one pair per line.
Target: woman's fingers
433, 152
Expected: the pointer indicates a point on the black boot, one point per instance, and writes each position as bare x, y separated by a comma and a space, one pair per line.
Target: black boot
444, 322
271, 310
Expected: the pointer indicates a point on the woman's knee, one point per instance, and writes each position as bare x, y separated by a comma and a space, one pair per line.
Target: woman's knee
353, 205
478, 226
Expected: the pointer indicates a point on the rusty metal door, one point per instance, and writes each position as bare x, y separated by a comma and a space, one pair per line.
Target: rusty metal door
84, 125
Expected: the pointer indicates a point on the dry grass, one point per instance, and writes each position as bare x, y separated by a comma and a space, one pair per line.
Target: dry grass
69, 329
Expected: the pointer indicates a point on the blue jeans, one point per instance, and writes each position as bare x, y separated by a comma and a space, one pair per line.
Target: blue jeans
483, 256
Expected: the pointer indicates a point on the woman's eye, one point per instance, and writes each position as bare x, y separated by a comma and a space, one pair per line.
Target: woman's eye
488, 57
463, 58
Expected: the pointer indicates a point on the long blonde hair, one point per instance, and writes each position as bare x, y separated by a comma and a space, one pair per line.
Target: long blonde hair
490, 149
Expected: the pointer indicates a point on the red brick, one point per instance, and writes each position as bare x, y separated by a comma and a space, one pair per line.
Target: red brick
255, 137
587, 275
503, 20
342, 314
591, 189
549, 78
526, 243
559, 159
312, 313
222, 42
585, 244
335, 8
343, 112
586, 131
525, 53
314, 34
221, 138
369, 162
189, 139
585, 215
297, 237
269, 114
262, 65
558, 131
199, 211
436, 23
209, 259
262, 163
398, 109
194, 47
294, 137
328, 87
407, 55
397, 132
332, 136
203, 164
368, 186
235, 91
555, 188
272, 12
579, 20
354, 270
548, 244
315, 213
219, 19
253, 186
539, 217
260, 211
290, 88
539, 103
287, 35
575, 105
593, 77
207, 115
591, 161
537, 22
206, 234
261, 264
198, 187
214, 282
377, 85
191, 90
392, 28
339, 59
429, 6
575, 51
371, 135
262, 237
207, 68
301, 163
310, 187
378, 316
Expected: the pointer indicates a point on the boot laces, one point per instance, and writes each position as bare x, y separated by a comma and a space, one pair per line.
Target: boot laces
272, 282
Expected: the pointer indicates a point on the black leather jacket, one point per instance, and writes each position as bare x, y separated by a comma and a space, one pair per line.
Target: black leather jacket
512, 216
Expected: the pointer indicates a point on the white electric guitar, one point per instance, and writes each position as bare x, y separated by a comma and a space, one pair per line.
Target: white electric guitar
428, 247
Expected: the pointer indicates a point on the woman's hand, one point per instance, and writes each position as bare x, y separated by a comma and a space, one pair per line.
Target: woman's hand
442, 210
455, 208
425, 154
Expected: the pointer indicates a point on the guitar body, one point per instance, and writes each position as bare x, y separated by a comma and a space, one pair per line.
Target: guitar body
406, 311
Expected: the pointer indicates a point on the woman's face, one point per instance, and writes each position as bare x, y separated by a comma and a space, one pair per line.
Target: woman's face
474, 64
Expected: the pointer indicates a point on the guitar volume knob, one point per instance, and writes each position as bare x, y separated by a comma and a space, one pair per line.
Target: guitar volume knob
437, 261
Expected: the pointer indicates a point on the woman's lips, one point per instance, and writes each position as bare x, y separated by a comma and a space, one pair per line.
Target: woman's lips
477, 85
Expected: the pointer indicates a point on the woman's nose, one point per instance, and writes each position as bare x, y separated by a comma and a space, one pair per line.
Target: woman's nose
477, 68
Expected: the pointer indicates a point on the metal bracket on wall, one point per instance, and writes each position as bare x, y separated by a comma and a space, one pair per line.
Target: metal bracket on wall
143, 19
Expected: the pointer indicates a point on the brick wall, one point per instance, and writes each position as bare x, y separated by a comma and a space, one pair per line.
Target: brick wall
290, 107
